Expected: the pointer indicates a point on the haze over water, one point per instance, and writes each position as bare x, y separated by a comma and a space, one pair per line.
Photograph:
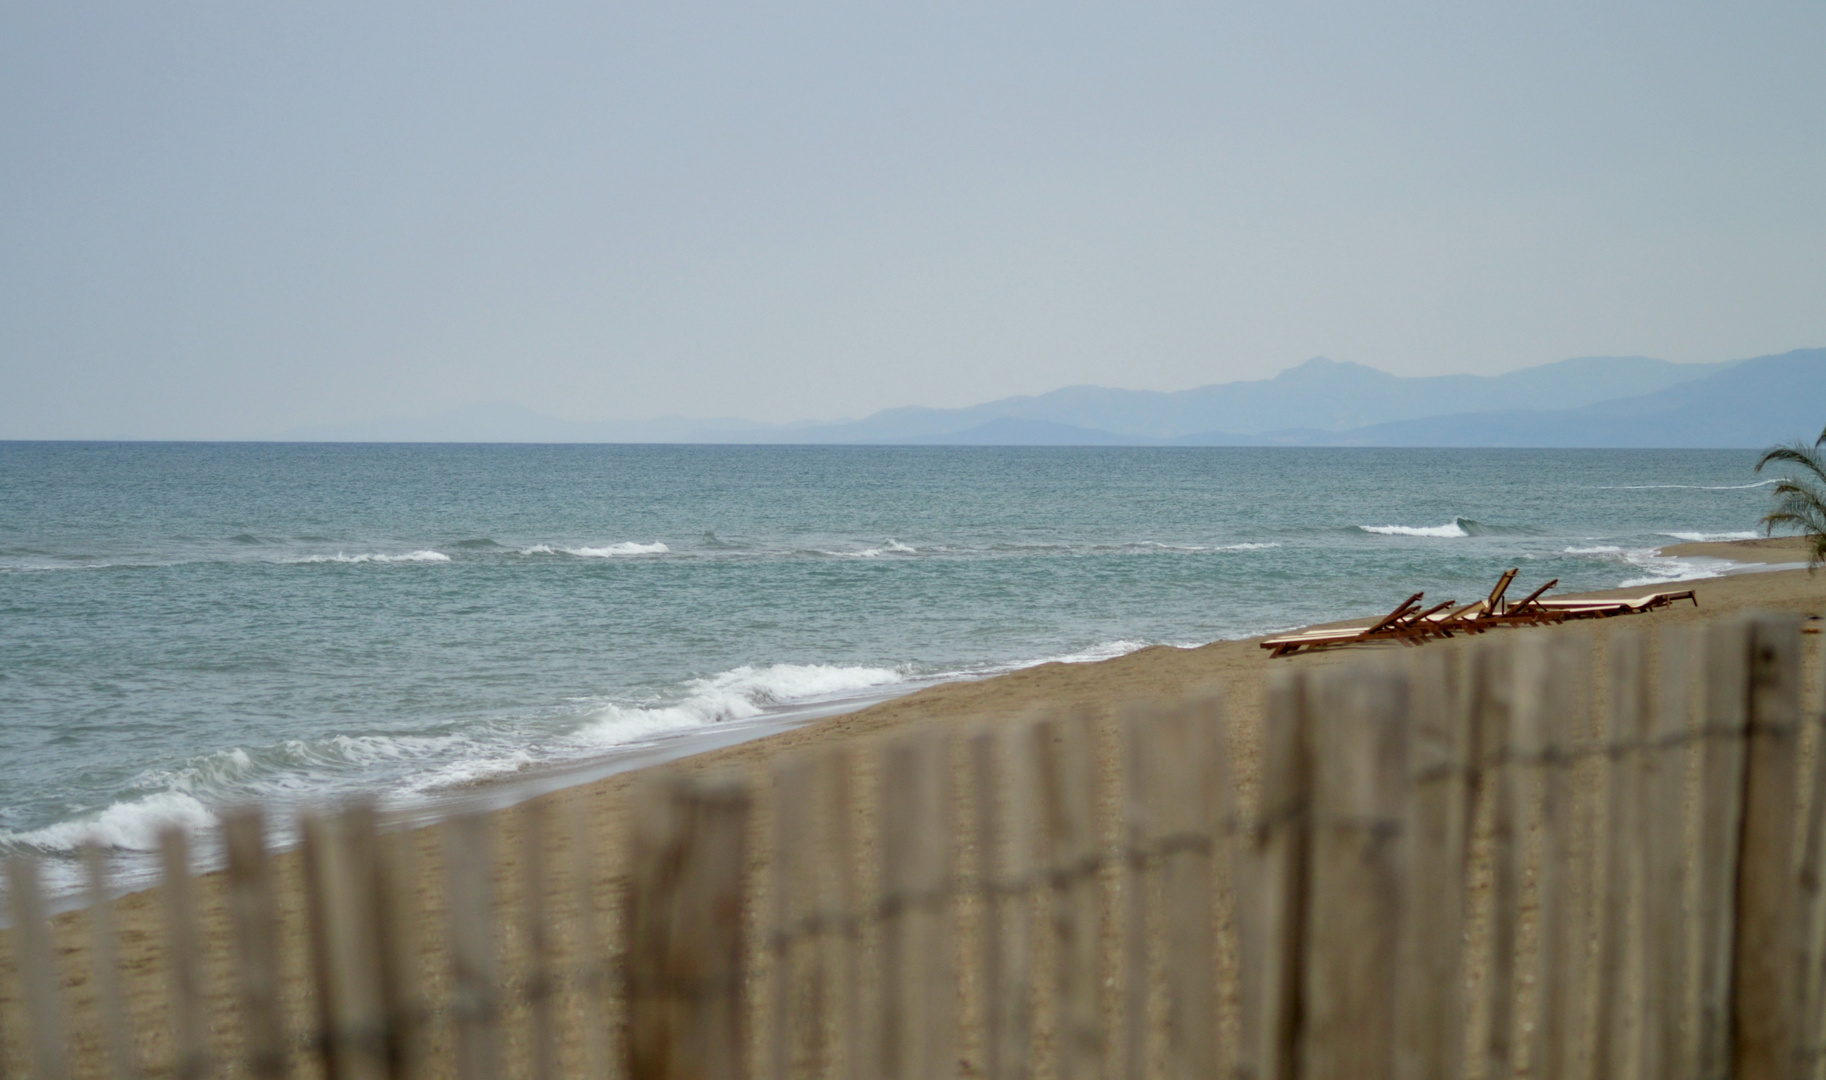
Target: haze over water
187, 625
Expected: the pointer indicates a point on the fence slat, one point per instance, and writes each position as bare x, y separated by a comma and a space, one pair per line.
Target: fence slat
353, 1010
1491, 693
1178, 771
1720, 805
600, 1027
1550, 688
536, 929
404, 1001
1812, 898
917, 1024
1066, 768
1667, 936
184, 967
474, 968
685, 962
104, 961
1430, 996
1002, 780
38, 978
1765, 1038
814, 999
251, 906
1268, 864
1359, 812
1619, 964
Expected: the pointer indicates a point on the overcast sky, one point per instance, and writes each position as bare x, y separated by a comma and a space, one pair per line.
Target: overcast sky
229, 220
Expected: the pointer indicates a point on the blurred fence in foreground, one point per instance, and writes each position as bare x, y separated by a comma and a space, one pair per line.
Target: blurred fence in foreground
1452, 862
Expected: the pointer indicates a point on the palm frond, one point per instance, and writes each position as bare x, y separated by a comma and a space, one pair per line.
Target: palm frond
1807, 458
1800, 500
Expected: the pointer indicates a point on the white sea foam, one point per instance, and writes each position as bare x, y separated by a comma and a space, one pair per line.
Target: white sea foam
424, 555
1710, 538
889, 546
607, 551
1691, 487
1245, 547
738, 694
1451, 529
130, 825
1653, 567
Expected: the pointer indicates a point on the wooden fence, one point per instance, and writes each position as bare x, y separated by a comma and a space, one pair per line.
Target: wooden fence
1449, 862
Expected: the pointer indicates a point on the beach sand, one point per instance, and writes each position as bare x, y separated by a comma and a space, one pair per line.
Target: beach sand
1153, 674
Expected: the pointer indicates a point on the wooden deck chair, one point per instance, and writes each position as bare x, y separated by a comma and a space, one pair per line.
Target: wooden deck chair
1467, 618
1288, 644
1527, 611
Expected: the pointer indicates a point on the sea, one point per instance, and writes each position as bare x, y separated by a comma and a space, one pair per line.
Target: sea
185, 627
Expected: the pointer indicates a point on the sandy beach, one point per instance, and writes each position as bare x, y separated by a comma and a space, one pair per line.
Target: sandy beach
1157, 673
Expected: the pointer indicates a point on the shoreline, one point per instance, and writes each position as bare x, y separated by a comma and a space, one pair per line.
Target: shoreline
1154, 673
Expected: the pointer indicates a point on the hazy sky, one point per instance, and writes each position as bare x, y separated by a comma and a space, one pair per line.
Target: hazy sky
229, 220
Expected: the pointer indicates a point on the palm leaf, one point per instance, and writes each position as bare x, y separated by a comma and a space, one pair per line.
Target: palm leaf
1800, 500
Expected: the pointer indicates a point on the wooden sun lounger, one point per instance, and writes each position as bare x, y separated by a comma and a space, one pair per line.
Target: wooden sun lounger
1469, 617
1389, 625
1604, 609
1526, 612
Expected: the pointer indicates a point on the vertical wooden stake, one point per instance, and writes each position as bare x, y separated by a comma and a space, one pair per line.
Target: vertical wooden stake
104, 954
1491, 695
1812, 898
1178, 780
813, 995
1430, 973
1269, 868
1355, 874
685, 963
37, 973
354, 1013
1666, 942
251, 907
1550, 685
1623, 910
1003, 790
534, 925
588, 942
1067, 770
1721, 780
1767, 969
918, 1034
188, 999
394, 878
475, 982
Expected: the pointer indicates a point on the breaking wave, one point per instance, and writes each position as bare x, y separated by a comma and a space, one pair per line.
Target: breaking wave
607, 551
1453, 529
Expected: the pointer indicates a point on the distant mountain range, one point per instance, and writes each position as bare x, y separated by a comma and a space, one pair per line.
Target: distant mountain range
1600, 401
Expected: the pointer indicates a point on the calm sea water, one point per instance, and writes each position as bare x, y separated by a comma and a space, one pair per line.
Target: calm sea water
184, 626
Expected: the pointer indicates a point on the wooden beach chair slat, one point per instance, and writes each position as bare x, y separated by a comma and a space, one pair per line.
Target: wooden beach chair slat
1620, 962
918, 992
535, 928
252, 907
1668, 932
104, 953
1765, 1037
184, 968
1430, 994
1491, 693
685, 961
39, 983
1268, 865
1002, 781
1720, 807
1178, 773
1357, 845
474, 1006
1069, 788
